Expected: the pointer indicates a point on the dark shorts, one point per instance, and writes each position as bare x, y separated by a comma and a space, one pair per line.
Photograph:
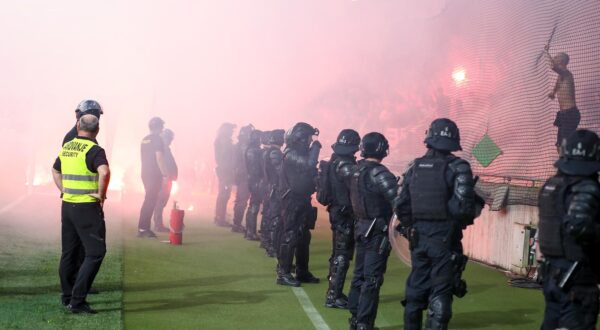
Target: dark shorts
567, 122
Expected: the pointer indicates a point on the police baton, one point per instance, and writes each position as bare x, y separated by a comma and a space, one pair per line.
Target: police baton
568, 275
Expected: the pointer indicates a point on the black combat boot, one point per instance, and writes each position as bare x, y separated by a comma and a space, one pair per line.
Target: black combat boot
352, 323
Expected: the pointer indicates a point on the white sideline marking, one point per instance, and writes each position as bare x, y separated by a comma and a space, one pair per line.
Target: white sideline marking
310, 310
13, 204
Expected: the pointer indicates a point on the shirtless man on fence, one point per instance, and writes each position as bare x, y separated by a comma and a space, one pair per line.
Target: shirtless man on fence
568, 117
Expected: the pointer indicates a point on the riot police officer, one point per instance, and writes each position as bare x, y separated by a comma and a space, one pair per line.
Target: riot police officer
271, 222
299, 170
339, 170
437, 202
569, 235
373, 192
253, 160
224, 158
242, 193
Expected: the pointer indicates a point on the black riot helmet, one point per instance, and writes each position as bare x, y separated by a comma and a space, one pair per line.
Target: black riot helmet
88, 107
347, 142
374, 145
264, 137
156, 124
255, 137
244, 133
443, 135
276, 137
580, 153
299, 136
226, 130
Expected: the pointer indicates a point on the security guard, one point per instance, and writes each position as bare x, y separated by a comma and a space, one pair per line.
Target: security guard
82, 174
437, 202
85, 107
569, 235
373, 192
341, 217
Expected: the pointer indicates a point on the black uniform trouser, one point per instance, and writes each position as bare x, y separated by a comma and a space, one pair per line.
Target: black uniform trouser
369, 267
430, 283
276, 220
575, 307
152, 187
82, 225
342, 226
162, 200
225, 186
256, 196
265, 221
242, 195
295, 236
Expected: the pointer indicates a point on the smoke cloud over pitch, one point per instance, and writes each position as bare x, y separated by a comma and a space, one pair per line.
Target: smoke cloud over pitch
372, 65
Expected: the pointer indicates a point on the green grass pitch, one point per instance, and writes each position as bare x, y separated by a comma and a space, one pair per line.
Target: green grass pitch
216, 280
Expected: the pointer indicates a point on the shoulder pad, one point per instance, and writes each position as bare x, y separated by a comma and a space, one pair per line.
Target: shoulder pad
587, 186
459, 165
377, 170
341, 163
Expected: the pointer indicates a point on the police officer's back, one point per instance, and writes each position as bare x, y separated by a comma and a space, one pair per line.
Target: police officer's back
437, 202
297, 181
242, 193
334, 192
253, 162
373, 192
272, 160
569, 235
225, 169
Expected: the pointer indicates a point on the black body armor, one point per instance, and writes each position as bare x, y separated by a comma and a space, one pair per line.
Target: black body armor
554, 240
428, 189
339, 173
369, 183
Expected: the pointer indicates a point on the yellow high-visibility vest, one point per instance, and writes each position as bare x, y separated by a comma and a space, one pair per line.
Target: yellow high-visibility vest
77, 180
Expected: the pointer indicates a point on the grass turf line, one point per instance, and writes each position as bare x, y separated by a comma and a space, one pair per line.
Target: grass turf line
218, 280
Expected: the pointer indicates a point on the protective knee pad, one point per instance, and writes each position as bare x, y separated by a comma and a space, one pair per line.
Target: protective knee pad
373, 283
342, 241
440, 311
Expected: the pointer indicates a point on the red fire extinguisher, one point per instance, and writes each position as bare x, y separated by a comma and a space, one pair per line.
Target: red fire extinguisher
175, 235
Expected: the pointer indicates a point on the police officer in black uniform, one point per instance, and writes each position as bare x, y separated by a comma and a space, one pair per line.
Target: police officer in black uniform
242, 193
298, 180
569, 235
341, 217
85, 107
264, 221
154, 170
224, 156
437, 202
253, 160
373, 192
272, 161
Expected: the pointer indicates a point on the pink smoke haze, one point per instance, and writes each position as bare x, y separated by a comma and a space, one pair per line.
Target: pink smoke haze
372, 65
